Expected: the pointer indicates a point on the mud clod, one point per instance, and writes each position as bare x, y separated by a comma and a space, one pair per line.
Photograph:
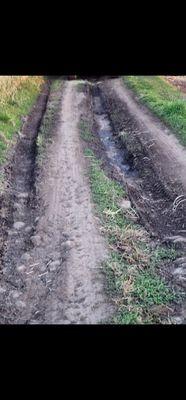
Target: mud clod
19, 225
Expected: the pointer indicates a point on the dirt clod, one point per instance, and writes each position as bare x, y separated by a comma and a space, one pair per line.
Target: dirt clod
19, 225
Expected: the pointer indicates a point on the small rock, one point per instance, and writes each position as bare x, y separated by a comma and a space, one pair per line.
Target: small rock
36, 219
125, 204
34, 322
2, 290
28, 229
26, 257
11, 232
18, 225
22, 195
21, 268
15, 294
20, 303
54, 265
43, 268
36, 239
67, 245
177, 320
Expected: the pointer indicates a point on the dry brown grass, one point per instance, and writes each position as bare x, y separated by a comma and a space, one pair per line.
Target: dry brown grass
10, 84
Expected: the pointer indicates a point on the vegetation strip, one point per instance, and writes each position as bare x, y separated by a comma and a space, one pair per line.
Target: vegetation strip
140, 293
166, 101
17, 96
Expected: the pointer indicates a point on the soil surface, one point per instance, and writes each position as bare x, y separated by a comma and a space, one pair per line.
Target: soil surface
53, 248
60, 280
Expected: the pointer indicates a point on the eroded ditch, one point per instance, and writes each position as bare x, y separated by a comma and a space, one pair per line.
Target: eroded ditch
148, 187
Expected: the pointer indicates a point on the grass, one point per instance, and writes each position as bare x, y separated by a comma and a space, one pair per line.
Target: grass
17, 96
140, 294
166, 101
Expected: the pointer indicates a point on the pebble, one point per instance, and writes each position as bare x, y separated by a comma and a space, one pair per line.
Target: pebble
18, 225
36, 239
21, 268
22, 195
10, 232
15, 294
125, 204
54, 265
177, 320
67, 245
20, 303
26, 257
28, 229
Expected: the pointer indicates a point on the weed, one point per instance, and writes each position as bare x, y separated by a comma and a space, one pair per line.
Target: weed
151, 289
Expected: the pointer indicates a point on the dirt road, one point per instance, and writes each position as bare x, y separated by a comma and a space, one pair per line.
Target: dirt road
62, 275
52, 261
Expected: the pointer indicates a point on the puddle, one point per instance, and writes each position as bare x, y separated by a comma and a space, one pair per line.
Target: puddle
117, 156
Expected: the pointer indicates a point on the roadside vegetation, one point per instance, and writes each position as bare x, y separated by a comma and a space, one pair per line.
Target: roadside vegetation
134, 280
17, 96
166, 101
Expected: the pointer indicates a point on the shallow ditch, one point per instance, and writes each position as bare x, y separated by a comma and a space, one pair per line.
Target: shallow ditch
21, 195
150, 191
118, 156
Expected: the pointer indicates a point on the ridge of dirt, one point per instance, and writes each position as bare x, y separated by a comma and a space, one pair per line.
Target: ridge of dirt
59, 280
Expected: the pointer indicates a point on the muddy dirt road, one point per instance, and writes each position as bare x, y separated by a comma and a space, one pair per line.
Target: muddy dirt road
51, 270
61, 276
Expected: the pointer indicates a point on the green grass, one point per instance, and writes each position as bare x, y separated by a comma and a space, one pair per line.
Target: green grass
163, 99
132, 275
85, 134
151, 289
11, 112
